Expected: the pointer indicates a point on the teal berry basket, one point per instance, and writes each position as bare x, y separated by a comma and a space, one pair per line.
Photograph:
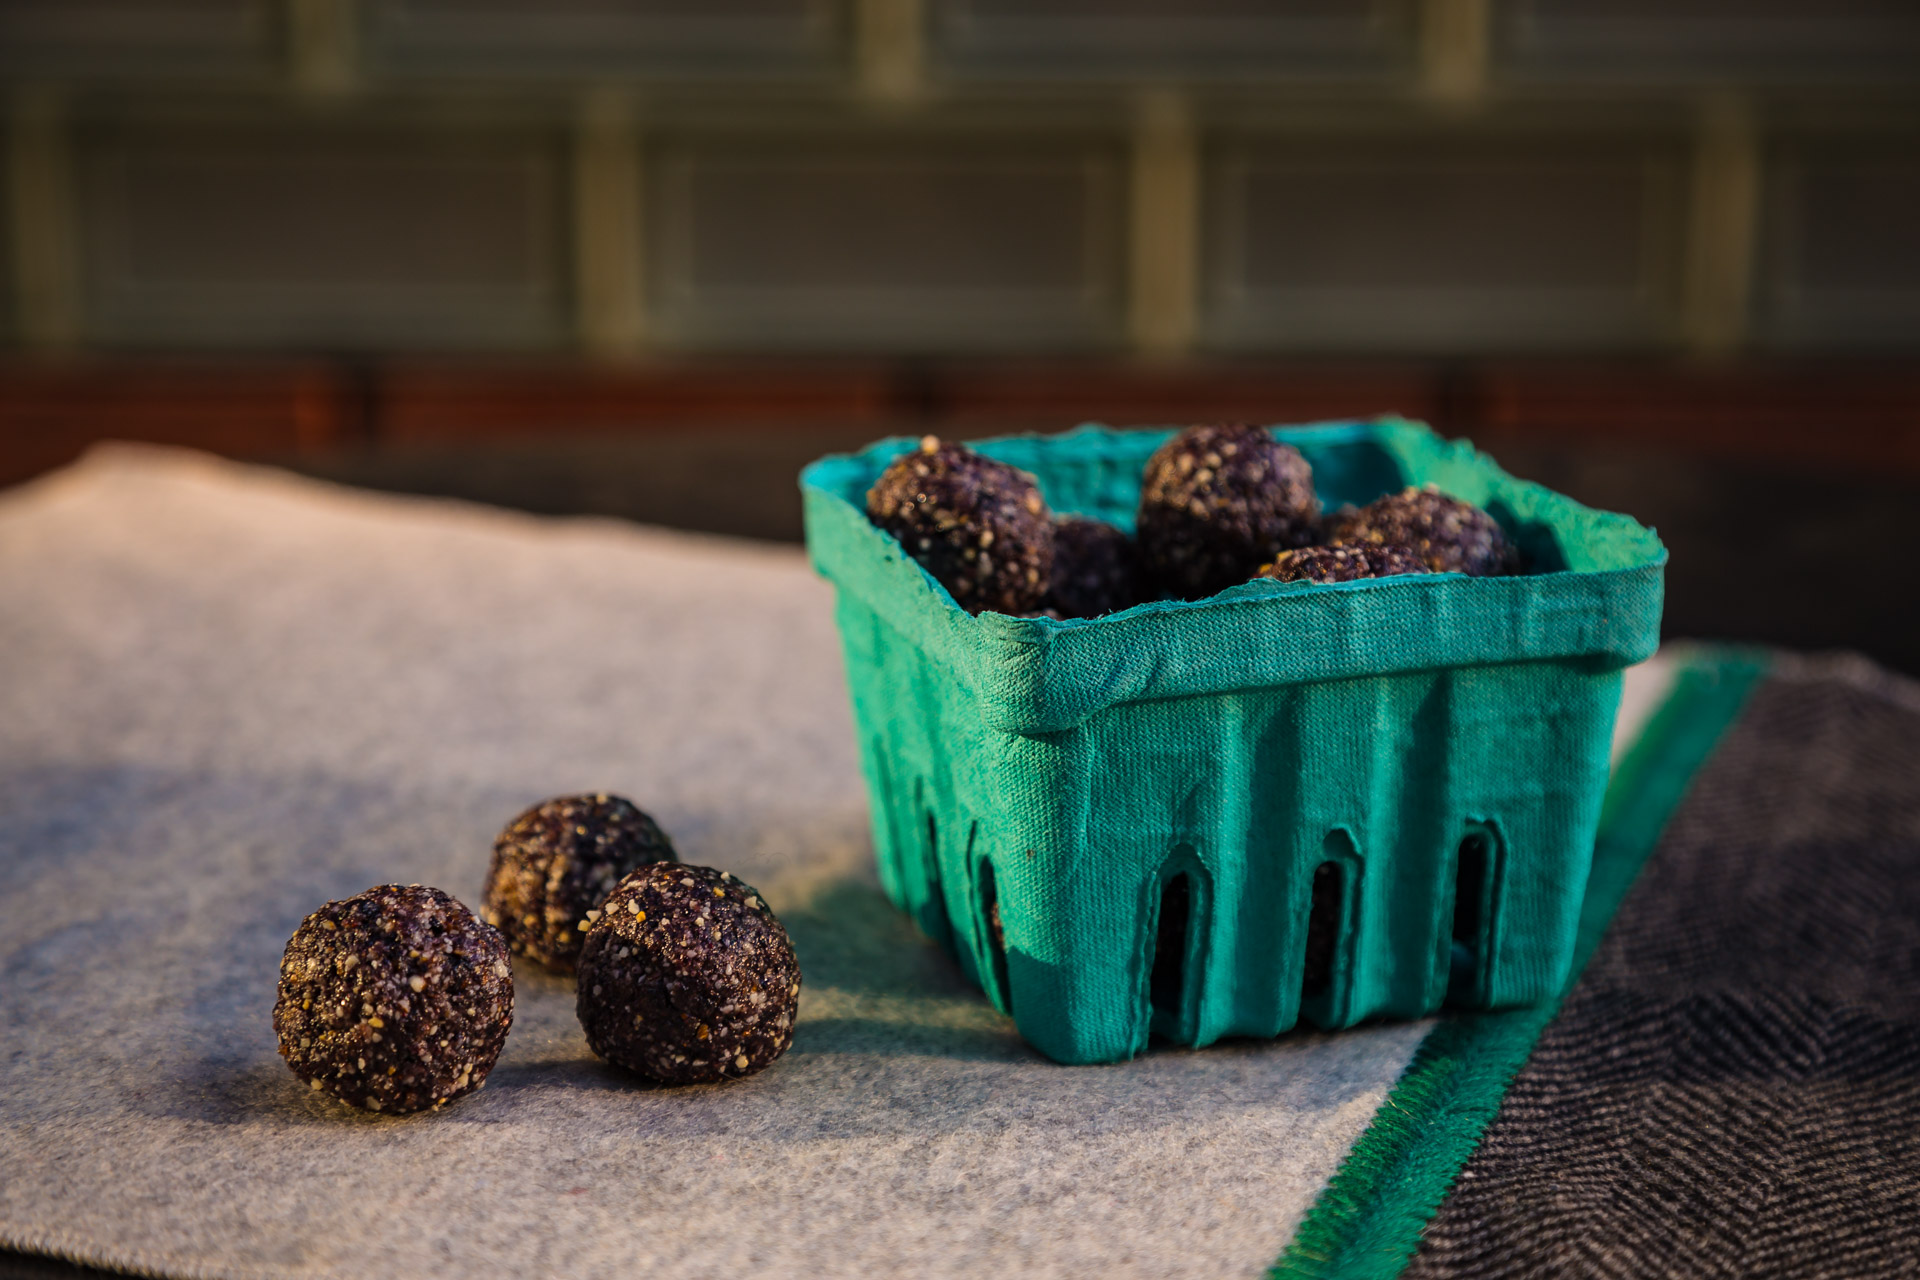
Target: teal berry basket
1215, 818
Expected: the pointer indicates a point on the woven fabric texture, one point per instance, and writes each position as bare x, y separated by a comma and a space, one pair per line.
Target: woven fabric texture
1733, 1086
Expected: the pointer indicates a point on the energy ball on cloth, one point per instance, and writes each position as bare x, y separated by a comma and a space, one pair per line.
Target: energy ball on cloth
1219, 501
394, 1000
556, 863
1450, 535
1095, 570
977, 525
688, 978
1343, 564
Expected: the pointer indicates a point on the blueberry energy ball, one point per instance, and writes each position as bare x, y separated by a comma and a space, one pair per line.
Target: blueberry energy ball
977, 525
1217, 502
394, 1000
1343, 564
1095, 570
556, 863
687, 977
1450, 535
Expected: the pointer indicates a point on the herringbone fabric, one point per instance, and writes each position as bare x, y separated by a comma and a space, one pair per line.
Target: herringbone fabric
1733, 1087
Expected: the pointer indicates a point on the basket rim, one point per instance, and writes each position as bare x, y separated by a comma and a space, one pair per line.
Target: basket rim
1038, 674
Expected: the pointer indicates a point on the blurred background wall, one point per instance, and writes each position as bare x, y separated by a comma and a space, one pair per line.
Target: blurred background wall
940, 176
589, 255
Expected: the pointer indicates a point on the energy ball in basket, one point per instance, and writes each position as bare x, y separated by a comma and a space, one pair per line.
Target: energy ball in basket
1095, 570
556, 863
687, 978
977, 525
1219, 501
1450, 535
394, 1000
1343, 564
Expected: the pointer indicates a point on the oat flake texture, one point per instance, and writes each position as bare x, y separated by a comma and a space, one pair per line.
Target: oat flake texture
394, 1000
1217, 502
688, 978
1344, 564
556, 863
978, 526
1450, 535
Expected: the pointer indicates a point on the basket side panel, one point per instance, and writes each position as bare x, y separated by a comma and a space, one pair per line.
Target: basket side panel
1368, 792
1532, 746
1030, 916
1386, 778
922, 748
875, 660
1259, 789
1481, 797
967, 818
1070, 909
1164, 803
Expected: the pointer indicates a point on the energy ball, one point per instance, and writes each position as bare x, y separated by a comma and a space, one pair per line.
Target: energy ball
1094, 569
1450, 535
1343, 564
394, 1000
556, 863
977, 525
688, 978
1219, 501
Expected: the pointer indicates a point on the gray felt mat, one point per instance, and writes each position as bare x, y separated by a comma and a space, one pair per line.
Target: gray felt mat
229, 695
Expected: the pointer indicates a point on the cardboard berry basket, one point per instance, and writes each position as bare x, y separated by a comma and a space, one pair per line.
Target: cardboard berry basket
1215, 818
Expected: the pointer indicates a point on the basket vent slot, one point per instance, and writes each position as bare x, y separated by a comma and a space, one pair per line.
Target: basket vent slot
1477, 868
994, 933
1331, 926
933, 916
1325, 916
1167, 985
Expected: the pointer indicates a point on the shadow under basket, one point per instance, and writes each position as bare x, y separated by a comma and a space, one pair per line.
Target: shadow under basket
1289, 800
